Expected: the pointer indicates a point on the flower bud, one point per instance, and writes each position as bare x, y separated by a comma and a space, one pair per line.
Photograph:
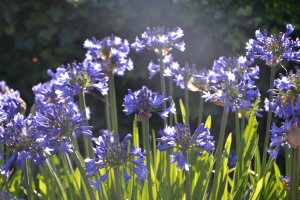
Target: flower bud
293, 136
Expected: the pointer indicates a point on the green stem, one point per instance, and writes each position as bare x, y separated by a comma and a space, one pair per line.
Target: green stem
187, 179
171, 117
118, 184
146, 136
294, 174
107, 114
200, 109
5, 183
88, 147
218, 154
162, 79
113, 106
237, 131
186, 102
49, 192
243, 125
26, 178
81, 170
266, 145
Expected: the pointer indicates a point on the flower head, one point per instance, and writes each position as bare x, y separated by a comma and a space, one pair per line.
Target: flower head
232, 83
115, 156
272, 49
169, 67
111, 53
57, 124
160, 39
180, 137
144, 102
7, 196
79, 76
20, 136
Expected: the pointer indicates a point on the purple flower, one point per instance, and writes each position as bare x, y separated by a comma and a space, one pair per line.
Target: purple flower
115, 156
111, 53
160, 39
144, 102
180, 136
273, 50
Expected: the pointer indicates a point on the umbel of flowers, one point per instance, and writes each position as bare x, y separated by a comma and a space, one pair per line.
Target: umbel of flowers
20, 137
111, 53
144, 102
272, 49
232, 83
180, 137
115, 157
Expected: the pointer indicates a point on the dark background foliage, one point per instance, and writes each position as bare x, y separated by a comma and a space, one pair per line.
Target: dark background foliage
38, 35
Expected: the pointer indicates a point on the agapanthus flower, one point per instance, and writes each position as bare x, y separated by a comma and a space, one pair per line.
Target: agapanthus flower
279, 136
184, 76
180, 137
232, 158
286, 95
7, 196
169, 66
115, 156
160, 39
274, 50
80, 76
144, 102
56, 126
232, 83
20, 136
111, 53
286, 181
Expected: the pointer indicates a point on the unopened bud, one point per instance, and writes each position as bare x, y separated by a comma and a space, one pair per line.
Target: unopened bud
293, 136
33, 110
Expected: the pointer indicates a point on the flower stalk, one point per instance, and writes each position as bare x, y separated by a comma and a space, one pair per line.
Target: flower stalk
186, 98
26, 178
162, 79
107, 114
86, 141
294, 173
237, 131
118, 184
171, 122
264, 159
113, 106
187, 180
200, 109
218, 154
146, 136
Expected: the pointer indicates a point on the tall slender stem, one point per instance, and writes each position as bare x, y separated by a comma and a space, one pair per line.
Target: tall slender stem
5, 183
113, 106
146, 134
294, 173
118, 184
186, 102
171, 117
86, 141
81, 170
219, 154
107, 115
200, 109
243, 125
237, 131
26, 178
187, 179
264, 159
162, 79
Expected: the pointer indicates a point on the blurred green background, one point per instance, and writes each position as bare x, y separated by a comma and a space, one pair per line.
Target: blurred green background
37, 35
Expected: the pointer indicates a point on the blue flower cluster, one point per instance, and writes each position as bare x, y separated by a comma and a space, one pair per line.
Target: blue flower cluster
160, 39
7, 196
56, 125
286, 95
110, 53
183, 76
20, 136
180, 137
274, 50
232, 83
113, 157
144, 101
286, 181
79, 76
169, 66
